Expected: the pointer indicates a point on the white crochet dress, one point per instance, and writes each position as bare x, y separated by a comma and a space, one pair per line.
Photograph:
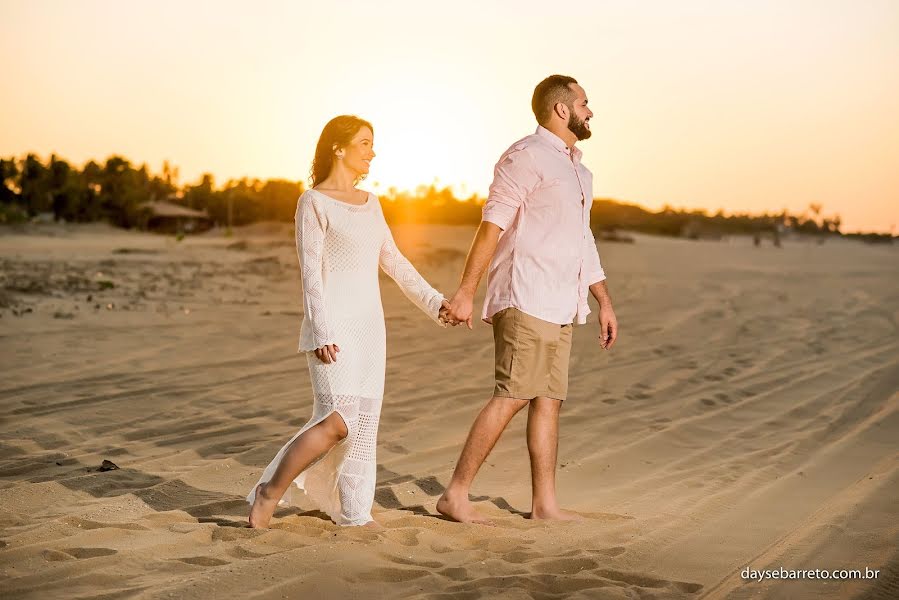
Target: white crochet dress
340, 247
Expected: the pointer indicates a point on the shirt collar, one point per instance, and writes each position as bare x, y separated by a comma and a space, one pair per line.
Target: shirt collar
557, 143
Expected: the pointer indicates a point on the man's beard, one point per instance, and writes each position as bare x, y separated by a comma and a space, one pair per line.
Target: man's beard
578, 127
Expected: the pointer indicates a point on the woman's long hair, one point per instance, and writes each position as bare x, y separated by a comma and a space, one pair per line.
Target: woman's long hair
340, 132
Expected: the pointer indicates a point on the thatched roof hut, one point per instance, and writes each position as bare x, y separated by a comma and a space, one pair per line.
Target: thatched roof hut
168, 217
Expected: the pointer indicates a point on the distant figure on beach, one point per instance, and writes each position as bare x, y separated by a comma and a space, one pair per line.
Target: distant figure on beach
535, 236
342, 239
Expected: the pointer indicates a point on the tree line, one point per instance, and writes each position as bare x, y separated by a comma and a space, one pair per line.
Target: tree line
118, 191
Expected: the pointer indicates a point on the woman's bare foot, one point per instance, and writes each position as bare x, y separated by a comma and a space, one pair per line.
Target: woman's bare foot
263, 508
373, 525
555, 514
461, 510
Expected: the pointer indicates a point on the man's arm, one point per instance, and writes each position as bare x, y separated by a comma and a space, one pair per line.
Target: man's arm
514, 177
608, 323
600, 291
479, 257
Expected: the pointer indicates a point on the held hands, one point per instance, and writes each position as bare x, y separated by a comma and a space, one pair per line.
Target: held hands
443, 315
458, 309
608, 327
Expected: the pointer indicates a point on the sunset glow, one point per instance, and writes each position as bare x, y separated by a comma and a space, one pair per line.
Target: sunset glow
758, 106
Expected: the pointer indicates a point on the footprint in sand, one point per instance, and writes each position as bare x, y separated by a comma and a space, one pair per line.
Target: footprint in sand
660, 423
86, 524
610, 552
455, 573
395, 448
406, 537
521, 556
90, 552
226, 449
601, 516
393, 575
202, 561
430, 564
233, 534
644, 581
242, 553
566, 566
441, 548
252, 413
56, 555
638, 391
498, 545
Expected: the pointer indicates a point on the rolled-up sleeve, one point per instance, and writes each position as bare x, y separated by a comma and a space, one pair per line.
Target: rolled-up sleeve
514, 177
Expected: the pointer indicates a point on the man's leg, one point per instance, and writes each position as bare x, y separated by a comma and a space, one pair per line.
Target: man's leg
484, 433
543, 448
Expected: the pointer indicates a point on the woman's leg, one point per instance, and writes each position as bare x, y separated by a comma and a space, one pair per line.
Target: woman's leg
308, 446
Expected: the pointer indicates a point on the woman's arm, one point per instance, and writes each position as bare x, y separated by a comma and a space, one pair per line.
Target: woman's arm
310, 237
414, 286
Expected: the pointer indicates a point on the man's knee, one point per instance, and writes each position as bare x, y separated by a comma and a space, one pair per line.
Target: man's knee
506, 404
546, 405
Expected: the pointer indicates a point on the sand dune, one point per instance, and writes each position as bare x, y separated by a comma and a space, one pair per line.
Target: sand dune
747, 417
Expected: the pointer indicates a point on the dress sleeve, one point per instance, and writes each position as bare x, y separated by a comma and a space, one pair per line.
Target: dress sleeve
310, 229
404, 274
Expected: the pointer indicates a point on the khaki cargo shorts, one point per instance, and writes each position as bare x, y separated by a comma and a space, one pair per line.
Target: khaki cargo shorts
531, 356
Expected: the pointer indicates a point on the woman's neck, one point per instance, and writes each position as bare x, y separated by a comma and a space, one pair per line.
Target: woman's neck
340, 178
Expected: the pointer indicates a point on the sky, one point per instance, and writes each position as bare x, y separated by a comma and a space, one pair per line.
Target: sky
718, 104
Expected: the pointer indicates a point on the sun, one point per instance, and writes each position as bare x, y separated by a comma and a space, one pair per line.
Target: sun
425, 133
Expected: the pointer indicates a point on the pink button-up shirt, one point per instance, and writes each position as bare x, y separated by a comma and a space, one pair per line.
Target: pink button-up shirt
546, 257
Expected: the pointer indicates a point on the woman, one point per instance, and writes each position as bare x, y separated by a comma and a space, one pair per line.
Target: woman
342, 239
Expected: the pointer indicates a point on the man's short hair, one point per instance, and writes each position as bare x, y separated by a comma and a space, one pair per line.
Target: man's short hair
548, 93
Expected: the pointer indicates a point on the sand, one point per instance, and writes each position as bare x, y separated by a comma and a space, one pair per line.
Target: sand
747, 417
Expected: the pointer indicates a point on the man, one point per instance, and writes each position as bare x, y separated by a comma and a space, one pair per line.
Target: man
535, 236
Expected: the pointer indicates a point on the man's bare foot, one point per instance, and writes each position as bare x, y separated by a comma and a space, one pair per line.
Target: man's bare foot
555, 514
461, 510
373, 525
263, 508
